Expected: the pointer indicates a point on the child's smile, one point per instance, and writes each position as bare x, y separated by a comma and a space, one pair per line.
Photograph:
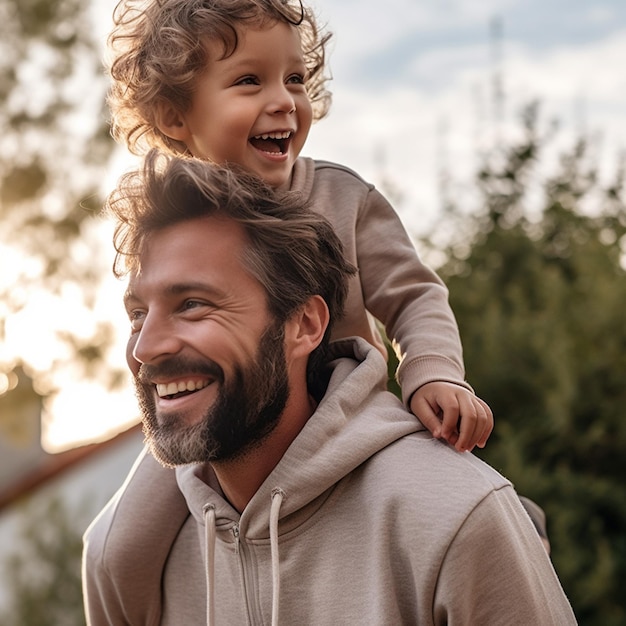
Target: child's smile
272, 143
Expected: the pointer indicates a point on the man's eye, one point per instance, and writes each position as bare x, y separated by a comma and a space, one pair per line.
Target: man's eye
136, 319
190, 305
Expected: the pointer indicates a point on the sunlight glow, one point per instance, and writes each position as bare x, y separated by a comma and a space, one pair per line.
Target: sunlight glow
86, 412
8, 382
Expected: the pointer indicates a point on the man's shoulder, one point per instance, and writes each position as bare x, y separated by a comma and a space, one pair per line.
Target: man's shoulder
130, 540
148, 504
435, 477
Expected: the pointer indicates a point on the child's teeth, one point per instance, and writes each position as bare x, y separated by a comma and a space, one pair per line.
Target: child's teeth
284, 135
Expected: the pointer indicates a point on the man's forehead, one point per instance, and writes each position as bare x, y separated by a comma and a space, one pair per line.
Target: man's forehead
193, 237
203, 254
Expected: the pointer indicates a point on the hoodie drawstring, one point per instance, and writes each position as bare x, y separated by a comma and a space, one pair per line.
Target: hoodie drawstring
277, 500
210, 531
209, 527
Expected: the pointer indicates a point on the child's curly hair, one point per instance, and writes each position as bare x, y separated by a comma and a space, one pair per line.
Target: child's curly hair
157, 51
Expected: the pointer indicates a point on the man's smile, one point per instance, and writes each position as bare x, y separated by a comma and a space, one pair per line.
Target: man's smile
178, 378
175, 389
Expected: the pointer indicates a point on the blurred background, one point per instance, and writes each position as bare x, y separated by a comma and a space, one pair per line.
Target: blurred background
497, 131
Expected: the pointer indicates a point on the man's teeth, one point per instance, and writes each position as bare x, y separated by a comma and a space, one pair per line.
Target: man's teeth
169, 389
284, 135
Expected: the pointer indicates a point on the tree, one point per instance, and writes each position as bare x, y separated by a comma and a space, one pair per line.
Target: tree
539, 296
53, 150
43, 574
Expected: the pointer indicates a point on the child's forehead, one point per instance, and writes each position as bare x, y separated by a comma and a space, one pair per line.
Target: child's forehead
228, 41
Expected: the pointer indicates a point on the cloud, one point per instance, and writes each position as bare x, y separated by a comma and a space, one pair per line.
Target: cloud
407, 106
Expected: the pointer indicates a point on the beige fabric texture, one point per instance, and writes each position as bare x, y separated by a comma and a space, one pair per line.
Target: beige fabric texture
380, 524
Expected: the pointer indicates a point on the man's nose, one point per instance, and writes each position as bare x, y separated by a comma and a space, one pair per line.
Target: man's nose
155, 341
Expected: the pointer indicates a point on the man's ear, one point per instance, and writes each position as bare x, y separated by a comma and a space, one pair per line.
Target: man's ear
305, 330
171, 122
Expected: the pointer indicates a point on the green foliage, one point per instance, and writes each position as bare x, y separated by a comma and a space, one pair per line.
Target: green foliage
43, 575
539, 297
54, 147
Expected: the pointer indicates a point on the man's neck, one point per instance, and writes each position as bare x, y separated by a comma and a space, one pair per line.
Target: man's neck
240, 478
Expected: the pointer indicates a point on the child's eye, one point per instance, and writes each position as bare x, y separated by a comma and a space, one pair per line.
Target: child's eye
297, 79
247, 80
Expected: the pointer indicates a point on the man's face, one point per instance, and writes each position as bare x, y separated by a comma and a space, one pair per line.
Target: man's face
207, 357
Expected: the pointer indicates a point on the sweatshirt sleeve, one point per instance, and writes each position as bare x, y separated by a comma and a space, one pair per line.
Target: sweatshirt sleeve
102, 604
496, 571
408, 298
127, 546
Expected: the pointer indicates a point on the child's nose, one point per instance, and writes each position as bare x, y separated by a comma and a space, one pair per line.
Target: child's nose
282, 100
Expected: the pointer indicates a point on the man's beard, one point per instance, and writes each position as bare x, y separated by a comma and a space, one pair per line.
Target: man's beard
246, 411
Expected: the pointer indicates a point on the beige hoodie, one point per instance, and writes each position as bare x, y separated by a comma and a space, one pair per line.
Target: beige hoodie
365, 520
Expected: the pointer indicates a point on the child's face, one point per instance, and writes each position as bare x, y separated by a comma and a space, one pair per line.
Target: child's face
251, 108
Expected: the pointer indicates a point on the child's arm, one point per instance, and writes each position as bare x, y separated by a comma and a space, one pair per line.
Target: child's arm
412, 302
453, 413
408, 298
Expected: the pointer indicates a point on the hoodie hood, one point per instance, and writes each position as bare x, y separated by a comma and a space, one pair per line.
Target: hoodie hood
337, 438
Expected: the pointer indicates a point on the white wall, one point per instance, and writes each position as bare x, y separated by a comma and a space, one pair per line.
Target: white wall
85, 487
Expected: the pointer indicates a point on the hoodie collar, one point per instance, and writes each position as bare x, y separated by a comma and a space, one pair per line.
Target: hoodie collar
356, 418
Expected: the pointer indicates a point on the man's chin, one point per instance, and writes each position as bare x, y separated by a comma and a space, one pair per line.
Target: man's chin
163, 458
172, 442
173, 422
172, 455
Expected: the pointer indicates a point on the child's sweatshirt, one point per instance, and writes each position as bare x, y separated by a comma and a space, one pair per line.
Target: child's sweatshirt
392, 284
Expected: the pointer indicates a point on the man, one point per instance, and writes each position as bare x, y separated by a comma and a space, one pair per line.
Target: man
307, 494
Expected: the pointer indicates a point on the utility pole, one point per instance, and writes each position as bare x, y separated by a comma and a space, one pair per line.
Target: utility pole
496, 29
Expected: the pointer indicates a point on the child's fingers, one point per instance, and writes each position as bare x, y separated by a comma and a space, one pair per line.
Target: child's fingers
424, 412
488, 424
453, 414
430, 413
450, 423
476, 423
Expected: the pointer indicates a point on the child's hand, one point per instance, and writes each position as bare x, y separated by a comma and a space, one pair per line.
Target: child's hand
453, 413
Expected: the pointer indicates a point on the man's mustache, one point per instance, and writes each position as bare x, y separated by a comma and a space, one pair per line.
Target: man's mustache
176, 367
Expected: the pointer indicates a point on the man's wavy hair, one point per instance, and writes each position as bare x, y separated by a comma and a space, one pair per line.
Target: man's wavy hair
157, 52
293, 252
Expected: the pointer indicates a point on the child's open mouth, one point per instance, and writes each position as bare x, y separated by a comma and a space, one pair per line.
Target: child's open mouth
274, 143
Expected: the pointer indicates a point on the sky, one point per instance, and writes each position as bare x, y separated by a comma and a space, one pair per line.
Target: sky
414, 84
413, 95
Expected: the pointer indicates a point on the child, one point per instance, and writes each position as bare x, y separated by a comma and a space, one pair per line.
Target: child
241, 81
